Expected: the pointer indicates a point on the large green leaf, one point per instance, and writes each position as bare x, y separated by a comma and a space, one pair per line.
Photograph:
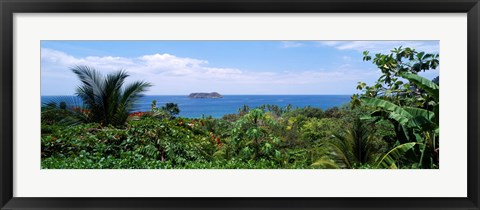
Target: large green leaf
423, 83
422, 118
398, 117
406, 116
396, 112
389, 160
417, 112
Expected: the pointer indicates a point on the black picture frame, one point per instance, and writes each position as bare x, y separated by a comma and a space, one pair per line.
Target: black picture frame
10, 7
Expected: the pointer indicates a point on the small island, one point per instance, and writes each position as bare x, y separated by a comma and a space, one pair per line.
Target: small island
205, 95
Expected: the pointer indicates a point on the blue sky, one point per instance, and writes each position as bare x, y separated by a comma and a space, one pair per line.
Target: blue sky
227, 67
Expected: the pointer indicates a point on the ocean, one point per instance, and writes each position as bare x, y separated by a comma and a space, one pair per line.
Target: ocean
195, 108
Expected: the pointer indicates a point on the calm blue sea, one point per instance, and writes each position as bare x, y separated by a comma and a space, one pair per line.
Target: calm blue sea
194, 108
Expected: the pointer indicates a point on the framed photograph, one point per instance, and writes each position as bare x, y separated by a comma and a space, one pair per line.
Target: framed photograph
239, 105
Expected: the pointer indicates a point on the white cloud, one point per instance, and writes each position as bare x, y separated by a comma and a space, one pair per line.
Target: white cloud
382, 46
291, 44
373, 46
179, 75
170, 61
330, 43
347, 58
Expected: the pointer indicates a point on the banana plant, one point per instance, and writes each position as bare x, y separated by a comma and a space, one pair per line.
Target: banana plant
390, 159
428, 86
413, 124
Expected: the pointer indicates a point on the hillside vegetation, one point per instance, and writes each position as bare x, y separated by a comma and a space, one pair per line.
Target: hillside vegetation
391, 124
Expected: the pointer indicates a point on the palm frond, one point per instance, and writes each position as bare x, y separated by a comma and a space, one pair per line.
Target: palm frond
106, 98
92, 82
325, 163
423, 83
111, 95
334, 151
389, 160
64, 110
132, 92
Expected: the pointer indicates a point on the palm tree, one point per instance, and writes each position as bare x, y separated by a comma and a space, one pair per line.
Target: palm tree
67, 113
106, 98
356, 146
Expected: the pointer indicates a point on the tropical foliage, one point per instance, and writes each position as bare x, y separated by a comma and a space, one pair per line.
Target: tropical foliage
391, 124
107, 100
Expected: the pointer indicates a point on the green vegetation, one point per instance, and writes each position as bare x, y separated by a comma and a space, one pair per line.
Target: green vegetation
391, 124
107, 101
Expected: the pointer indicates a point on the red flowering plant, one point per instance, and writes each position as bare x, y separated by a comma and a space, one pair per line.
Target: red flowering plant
135, 115
216, 139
